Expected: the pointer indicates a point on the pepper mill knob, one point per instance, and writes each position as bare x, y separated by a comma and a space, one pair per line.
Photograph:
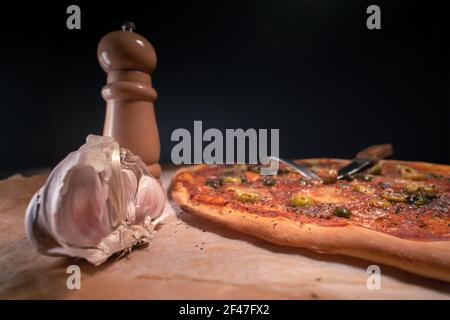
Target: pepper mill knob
129, 59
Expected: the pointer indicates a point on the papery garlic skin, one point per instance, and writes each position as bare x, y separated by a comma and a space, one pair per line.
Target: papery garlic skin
98, 201
83, 217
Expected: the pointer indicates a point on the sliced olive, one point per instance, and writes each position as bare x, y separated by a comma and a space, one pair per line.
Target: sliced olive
213, 183
301, 201
269, 181
418, 199
361, 188
342, 212
364, 177
242, 167
247, 196
228, 172
435, 175
394, 196
376, 169
379, 203
422, 196
231, 179
410, 188
431, 189
411, 174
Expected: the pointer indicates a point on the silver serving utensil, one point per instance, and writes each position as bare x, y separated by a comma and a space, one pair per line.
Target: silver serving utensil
365, 159
300, 168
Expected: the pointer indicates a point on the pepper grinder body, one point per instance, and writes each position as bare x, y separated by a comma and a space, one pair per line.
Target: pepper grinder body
129, 60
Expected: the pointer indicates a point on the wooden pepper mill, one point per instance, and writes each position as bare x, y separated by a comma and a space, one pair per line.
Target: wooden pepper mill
129, 59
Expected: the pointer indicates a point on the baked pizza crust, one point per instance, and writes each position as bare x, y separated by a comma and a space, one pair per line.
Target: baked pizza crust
427, 258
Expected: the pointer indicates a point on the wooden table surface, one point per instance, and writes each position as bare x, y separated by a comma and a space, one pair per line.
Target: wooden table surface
190, 258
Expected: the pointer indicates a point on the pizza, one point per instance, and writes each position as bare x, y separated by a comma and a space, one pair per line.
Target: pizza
396, 213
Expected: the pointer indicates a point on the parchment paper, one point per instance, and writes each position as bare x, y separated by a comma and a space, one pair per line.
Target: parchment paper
190, 258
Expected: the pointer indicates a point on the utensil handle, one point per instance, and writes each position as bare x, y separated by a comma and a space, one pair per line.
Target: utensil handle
376, 152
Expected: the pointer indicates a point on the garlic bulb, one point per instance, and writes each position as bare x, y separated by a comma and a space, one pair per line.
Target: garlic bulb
98, 201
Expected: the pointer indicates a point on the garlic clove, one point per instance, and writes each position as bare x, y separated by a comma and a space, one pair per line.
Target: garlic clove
82, 217
150, 198
130, 185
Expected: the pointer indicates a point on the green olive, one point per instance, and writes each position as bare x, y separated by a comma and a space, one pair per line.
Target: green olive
435, 175
410, 188
242, 167
301, 201
419, 199
431, 189
364, 177
422, 195
376, 169
361, 188
247, 196
342, 212
231, 179
379, 203
410, 173
394, 196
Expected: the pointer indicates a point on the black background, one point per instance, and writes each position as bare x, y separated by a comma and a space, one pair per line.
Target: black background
310, 68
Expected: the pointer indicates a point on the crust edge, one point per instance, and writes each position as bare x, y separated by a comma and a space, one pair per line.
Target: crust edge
429, 259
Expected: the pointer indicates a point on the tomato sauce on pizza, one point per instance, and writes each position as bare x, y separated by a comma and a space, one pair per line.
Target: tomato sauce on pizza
405, 200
